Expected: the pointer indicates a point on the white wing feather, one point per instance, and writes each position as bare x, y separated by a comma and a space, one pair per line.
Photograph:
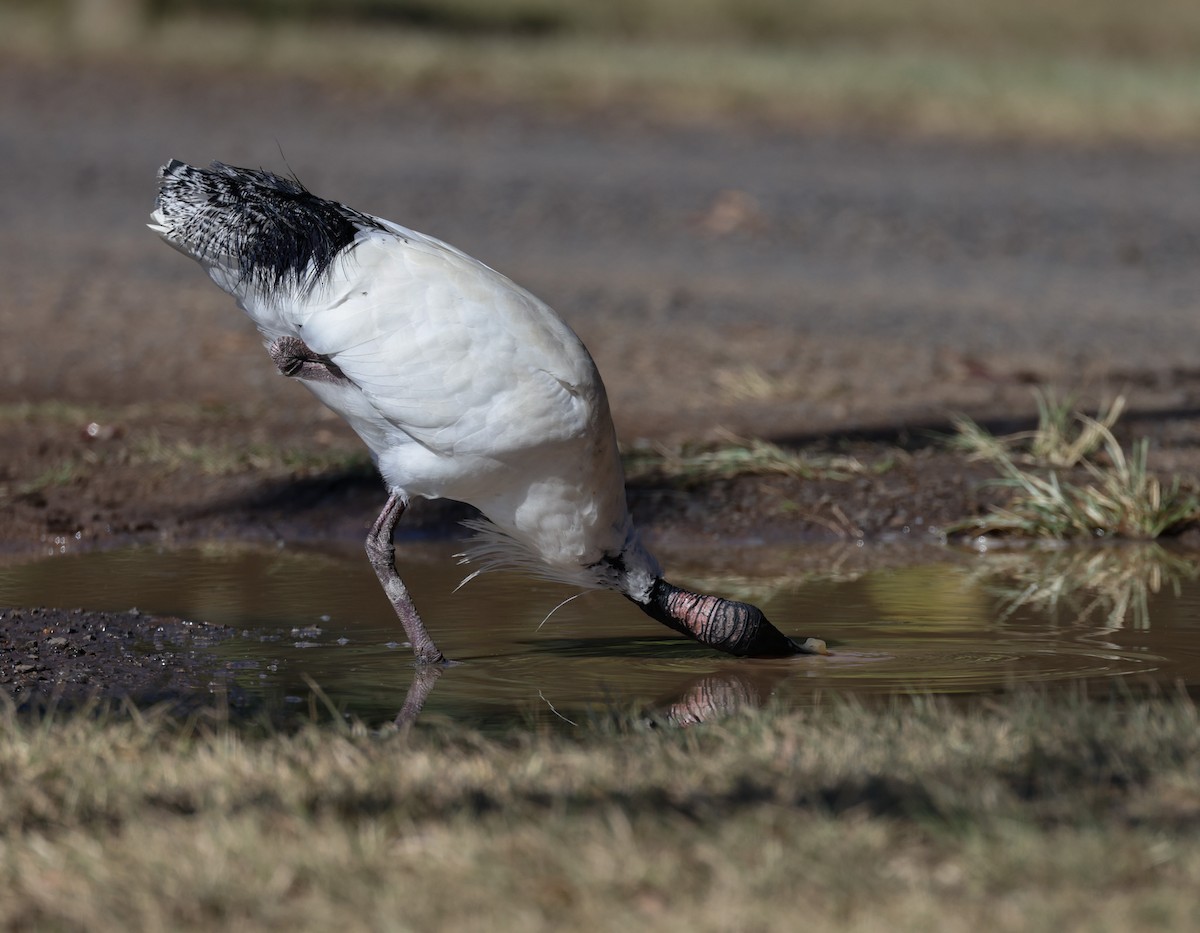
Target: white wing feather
413, 323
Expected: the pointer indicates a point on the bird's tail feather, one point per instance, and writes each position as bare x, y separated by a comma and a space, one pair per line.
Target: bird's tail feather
263, 230
493, 549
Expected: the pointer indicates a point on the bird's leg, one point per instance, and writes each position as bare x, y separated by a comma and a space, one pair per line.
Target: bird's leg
382, 555
293, 358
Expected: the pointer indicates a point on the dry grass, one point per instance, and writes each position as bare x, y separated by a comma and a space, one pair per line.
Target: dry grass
1024, 814
692, 465
1063, 436
165, 439
1119, 499
1069, 70
1154, 28
171, 455
1119, 496
152, 451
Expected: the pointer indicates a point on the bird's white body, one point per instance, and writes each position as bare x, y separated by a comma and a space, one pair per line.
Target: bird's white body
465, 386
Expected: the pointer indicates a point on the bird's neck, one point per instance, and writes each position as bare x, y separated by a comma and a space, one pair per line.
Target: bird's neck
634, 571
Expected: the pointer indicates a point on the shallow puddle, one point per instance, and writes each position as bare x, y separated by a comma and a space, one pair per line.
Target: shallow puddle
974, 623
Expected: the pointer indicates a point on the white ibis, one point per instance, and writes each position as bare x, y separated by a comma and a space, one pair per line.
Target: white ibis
462, 384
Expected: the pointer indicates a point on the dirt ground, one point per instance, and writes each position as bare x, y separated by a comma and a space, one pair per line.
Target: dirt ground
834, 294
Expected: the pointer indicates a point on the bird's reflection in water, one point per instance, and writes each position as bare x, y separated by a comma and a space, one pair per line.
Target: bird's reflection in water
706, 698
418, 692
716, 695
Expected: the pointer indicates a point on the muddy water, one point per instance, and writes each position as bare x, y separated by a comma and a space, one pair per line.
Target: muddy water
969, 624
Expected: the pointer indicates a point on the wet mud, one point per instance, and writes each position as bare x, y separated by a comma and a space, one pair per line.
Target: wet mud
57, 657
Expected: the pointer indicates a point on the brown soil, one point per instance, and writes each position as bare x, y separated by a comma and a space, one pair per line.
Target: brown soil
833, 294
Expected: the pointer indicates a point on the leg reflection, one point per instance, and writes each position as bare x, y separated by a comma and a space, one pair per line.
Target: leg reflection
424, 678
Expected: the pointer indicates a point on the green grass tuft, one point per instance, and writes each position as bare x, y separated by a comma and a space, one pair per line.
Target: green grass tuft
1118, 496
1062, 438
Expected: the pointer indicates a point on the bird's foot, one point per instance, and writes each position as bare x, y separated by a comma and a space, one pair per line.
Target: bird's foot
431, 657
293, 358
